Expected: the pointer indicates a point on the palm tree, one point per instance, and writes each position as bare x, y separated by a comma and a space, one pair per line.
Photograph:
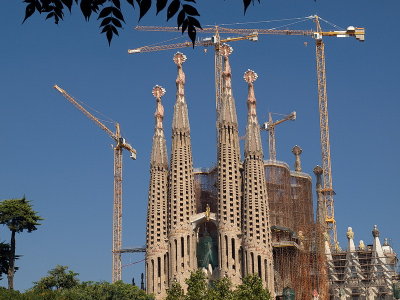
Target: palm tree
17, 215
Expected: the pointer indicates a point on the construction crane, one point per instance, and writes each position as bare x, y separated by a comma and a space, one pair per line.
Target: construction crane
270, 127
317, 35
120, 144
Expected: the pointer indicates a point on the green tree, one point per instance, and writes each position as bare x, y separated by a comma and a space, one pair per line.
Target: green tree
252, 289
197, 286
17, 215
57, 279
5, 250
175, 292
221, 290
111, 13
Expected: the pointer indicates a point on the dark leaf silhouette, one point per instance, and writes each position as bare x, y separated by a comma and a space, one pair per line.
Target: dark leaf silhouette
161, 5
113, 15
68, 4
86, 9
246, 4
116, 22
131, 3
195, 22
185, 25
38, 5
144, 7
190, 10
106, 11
117, 3
49, 15
106, 21
117, 12
181, 17
109, 35
30, 9
192, 33
173, 8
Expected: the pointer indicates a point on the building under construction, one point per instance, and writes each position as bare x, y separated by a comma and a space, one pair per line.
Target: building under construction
247, 215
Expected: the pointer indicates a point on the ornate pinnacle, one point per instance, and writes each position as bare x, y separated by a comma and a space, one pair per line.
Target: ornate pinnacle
250, 76
158, 92
297, 151
226, 50
350, 233
318, 174
375, 231
179, 58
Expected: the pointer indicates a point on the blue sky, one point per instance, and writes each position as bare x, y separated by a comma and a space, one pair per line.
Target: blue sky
63, 163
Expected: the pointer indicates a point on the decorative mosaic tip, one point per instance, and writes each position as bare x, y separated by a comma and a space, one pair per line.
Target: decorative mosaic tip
318, 170
226, 50
297, 150
250, 76
158, 91
179, 58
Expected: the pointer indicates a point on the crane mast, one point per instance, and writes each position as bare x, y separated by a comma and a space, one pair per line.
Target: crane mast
270, 127
120, 144
327, 191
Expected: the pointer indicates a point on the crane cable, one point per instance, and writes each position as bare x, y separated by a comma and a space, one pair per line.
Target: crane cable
133, 263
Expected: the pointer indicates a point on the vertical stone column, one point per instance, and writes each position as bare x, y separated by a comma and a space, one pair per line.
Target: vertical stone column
297, 151
256, 228
321, 214
156, 228
229, 179
181, 184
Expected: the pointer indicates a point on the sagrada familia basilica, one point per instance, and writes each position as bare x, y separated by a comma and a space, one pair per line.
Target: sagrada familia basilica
245, 216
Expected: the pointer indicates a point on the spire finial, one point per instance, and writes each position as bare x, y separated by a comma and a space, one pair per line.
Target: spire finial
297, 151
250, 76
158, 92
375, 231
318, 173
350, 233
179, 58
226, 50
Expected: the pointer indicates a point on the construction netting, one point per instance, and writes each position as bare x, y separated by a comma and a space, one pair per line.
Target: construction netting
301, 191
205, 187
277, 175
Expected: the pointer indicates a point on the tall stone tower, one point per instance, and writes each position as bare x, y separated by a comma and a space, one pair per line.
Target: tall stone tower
181, 187
257, 244
157, 242
229, 180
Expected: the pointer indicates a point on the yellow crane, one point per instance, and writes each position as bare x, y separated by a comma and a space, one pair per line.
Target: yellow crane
120, 144
317, 35
270, 127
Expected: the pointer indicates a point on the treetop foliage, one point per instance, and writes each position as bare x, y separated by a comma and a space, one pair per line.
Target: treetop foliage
112, 15
57, 279
18, 215
199, 289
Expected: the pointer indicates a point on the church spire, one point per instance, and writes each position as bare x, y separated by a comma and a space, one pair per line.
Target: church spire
229, 179
228, 109
257, 244
159, 150
156, 229
180, 120
253, 144
181, 186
